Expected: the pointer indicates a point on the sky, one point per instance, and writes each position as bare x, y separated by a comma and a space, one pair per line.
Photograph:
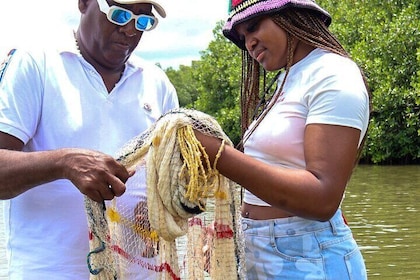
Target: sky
177, 40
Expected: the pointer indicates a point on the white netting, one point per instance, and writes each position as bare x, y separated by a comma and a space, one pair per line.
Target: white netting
187, 227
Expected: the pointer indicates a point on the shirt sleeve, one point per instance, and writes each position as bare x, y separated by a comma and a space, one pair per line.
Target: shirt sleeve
20, 96
340, 100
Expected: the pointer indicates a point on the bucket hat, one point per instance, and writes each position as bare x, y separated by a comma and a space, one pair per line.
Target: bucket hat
243, 10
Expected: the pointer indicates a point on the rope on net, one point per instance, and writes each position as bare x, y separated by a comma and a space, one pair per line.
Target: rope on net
181, 184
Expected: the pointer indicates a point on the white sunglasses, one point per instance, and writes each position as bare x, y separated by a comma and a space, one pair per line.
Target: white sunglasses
121, 16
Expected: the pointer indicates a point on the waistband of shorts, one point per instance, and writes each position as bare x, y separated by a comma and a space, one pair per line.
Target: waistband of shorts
291, 226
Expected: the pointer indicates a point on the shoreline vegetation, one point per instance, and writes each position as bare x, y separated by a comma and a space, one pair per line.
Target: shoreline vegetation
381, 36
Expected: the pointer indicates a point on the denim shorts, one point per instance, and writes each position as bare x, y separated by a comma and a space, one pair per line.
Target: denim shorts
297, 248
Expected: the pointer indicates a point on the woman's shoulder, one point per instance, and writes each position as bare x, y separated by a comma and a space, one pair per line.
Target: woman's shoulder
329, 61
322, 64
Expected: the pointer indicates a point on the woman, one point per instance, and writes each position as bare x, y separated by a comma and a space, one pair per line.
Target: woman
300, 144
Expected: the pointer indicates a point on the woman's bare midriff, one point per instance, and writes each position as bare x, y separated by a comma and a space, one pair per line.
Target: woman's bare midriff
256, 212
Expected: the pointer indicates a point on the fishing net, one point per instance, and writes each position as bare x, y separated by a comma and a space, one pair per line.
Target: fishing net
183, 224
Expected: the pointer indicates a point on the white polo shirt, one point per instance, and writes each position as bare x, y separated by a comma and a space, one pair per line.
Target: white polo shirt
55, 99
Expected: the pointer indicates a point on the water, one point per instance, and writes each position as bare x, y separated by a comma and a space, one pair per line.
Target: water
382, 208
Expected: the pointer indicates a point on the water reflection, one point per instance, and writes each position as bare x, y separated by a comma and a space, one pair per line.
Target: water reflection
382, 205
382, 208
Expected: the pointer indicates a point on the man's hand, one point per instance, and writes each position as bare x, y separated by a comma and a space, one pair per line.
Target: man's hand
97, 175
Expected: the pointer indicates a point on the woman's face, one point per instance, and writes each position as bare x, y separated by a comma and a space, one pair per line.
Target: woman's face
265, 41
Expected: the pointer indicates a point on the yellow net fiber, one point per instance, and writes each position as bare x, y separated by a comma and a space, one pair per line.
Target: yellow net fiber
186, 227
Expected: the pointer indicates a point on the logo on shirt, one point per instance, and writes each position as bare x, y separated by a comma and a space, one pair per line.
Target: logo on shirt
5, 63
147, 107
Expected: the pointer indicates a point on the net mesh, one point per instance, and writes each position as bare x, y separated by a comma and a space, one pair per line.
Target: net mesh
187, 225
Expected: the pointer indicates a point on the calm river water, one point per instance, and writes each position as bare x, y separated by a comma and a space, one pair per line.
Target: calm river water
382, 207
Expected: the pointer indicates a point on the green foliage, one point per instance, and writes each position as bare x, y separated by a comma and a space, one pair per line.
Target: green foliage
219, 76
183, 80
212, 85
382, 36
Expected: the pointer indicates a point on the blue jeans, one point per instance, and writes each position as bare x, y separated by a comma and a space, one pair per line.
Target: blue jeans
296, 248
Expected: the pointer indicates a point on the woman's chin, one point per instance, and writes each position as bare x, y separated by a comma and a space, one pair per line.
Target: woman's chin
270, 68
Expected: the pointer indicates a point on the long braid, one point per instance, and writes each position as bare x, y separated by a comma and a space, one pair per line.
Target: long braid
307, 27
250, 90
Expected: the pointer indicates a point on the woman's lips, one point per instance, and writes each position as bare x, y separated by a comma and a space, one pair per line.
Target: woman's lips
259, 55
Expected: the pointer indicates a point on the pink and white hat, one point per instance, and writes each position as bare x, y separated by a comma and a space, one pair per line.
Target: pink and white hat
243, 10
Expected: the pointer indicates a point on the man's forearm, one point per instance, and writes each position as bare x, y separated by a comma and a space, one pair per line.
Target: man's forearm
21, 171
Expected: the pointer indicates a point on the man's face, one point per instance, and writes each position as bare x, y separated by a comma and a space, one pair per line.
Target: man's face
105, 43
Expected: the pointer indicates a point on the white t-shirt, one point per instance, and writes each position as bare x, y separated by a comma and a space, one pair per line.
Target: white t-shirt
55, 99
322, 88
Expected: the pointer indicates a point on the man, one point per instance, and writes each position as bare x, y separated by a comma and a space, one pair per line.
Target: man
63, 115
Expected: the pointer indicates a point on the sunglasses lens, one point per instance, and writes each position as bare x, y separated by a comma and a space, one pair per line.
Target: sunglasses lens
145, 23
120, 16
